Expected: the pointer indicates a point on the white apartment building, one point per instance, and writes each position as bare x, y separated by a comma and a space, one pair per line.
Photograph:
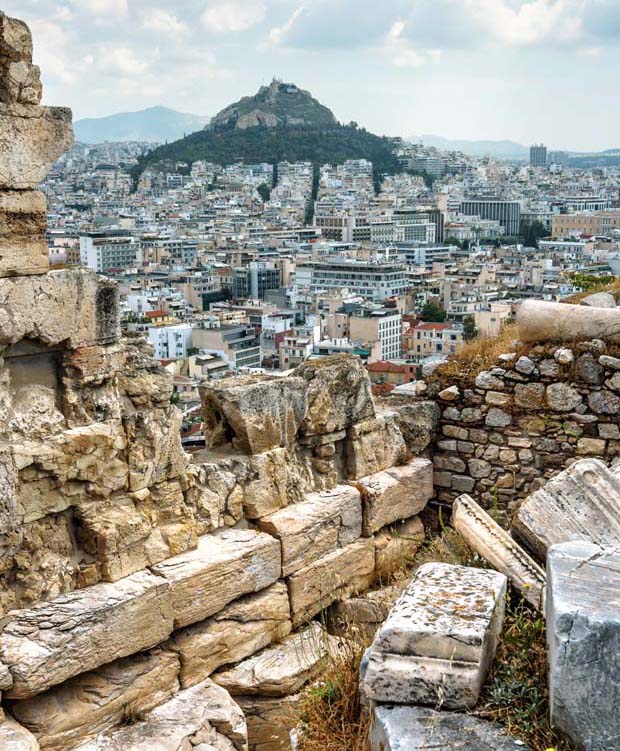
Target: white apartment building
375, 279
110, 249
170, 342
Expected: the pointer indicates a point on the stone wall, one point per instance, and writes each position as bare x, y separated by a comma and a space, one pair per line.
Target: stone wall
523, 419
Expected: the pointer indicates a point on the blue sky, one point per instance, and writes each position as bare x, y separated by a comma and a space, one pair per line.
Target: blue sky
527, 70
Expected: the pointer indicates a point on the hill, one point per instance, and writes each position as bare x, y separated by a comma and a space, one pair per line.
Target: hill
155, 124
280, 123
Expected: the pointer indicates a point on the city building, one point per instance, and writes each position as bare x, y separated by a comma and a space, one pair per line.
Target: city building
384, 326
109, 250
255, 280
170, 342
376, 279
238, 346
432, 340
507, 213
538, 155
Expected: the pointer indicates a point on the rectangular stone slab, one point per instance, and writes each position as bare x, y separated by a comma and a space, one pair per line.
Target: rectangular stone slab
236, 632
497, 547
270, 721
23, 221
281, 669
583, 636
62, 717
338, 574
80, 631
224, 566
420, 729
581, 503
395, 494
318, 525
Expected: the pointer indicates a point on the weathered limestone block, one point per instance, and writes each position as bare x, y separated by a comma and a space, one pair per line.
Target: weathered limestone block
142, 381
19, 79
418, 422
599, 300
396, 546
30, 308
374, 444
236, 632
362, 615
88, 704
71, 468
154, 446
203, 717
14, 737
395, 494
23, 221
270, 721
583, 636
256, 413
437, 644
419, 729
280, 670
540, 321
338, 392
30, 145
15, 39
496, 546
224, 566
82, 630
319, 525
339, 574
273, 482
581, 503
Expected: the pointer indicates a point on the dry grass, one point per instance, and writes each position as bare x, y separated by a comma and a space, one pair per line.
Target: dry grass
331, 715
477, 355
613, 288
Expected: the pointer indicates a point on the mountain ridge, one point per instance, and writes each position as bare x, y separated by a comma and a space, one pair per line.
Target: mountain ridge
154, 124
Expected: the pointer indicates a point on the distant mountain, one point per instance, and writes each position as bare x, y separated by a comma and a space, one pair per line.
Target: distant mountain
277, 105
280, 123
497, 149
155, 124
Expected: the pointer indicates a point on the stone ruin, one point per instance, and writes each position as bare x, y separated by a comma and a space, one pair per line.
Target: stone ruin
149, 596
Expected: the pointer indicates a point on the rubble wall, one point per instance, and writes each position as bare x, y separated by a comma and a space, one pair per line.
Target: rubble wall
523, 420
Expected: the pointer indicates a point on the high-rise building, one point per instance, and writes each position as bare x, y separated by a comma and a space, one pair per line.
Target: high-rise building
507, 213
109, 250
538, 155
255, 280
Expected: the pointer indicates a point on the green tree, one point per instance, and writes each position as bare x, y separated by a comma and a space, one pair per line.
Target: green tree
532, 232
433, 313
264, 192
453, 241
469, 328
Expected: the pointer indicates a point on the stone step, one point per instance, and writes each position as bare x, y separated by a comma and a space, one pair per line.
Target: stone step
225, 566
280, 670
321, 523
338, 574
421, 729
583, 634
62, 717
581, 503
395, 494
203, 717
80, 631
438, 642
236, 632
497, 547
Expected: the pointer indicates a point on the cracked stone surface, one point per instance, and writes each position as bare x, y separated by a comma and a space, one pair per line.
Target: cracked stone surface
583, 636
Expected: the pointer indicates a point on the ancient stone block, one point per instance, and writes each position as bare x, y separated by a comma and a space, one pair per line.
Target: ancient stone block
236, 632
496, 546
203, 717
14, 737
540, 321
580, 503
65, 716
362, 615
23, 221
319, 525
529, 395
419, 729
280, 670
224, 566
30, 145
270, 721
438, 642
418, 423
15, 39
374, 444
73, 308
338, 574
256, 413
599, 300
396, 546
273, 482
395, 494
338, 392
82, 630
583, 635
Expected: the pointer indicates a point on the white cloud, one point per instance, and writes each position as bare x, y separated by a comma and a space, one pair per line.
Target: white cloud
163, 22
227, 16
120, 60
108, 8
403, 53
278, 35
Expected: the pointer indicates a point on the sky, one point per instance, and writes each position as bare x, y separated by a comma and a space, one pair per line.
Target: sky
526, 70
